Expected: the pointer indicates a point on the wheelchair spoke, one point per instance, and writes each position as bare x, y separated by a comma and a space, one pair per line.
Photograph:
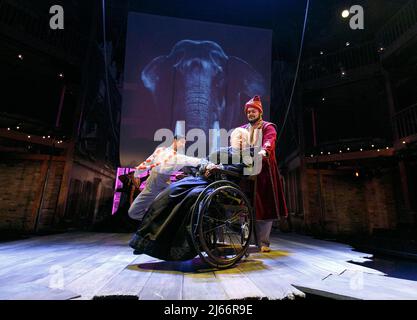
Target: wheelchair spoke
231, 241
234, 218
224, 221
232, 235
220, 225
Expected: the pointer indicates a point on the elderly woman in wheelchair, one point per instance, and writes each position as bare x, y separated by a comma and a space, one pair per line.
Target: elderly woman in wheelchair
207, 213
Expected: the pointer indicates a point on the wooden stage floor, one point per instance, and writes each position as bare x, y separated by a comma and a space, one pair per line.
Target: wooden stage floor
82, 265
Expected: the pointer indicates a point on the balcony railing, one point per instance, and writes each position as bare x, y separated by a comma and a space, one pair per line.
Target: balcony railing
404, 20
405, 122
336, 63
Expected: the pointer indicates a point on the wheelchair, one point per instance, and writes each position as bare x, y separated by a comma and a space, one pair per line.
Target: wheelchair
223, 219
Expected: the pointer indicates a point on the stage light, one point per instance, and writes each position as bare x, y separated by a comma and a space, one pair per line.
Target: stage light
387, 148
323, 99
404, 142
28, 137
312, 156
8, 129
377, 150
381, 49
357, 174
348, 149
361, 149
345, 14
373, 146
347, 44
321, 53
340, 151
328, 152
43, 137
61, 75
20, 56
17, 128
321, 152
49, 137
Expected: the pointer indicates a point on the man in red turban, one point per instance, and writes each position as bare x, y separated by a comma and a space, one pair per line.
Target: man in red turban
269, 199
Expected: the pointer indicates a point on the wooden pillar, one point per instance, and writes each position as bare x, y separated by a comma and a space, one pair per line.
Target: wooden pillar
303, 166
36, 208
97, 192
391, 104
304, 191
60, 106
405, 188
65, 183
402, 164
78, 115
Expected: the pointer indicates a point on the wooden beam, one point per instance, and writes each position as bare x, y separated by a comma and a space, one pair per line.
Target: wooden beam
22, 136
368, 154
23, 156
328, 172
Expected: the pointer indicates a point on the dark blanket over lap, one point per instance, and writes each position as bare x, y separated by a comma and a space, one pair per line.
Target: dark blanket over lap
164, 230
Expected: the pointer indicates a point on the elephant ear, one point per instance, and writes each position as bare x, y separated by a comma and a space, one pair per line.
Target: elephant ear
152, 73
158, 77
244, 82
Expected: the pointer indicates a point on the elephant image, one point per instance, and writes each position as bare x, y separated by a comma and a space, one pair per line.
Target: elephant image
198, 83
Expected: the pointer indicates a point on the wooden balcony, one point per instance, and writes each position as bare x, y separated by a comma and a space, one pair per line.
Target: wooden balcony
399, 31
346, 65
405, 125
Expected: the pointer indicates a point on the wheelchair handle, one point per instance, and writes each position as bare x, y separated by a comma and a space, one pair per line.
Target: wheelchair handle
232, 173
226, 172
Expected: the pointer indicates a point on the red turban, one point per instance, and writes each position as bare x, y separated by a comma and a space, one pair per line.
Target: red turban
255, 102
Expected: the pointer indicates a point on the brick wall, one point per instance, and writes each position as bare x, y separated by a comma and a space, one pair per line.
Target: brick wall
90, 195
20, 192
350, 205
88, 200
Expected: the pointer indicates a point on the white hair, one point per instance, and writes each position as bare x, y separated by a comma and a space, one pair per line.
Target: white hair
239, 139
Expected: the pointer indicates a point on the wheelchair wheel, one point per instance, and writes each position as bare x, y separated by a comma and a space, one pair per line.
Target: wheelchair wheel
224, 225
195, 211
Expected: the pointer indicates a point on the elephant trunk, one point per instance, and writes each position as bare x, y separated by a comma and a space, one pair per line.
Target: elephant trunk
197, 105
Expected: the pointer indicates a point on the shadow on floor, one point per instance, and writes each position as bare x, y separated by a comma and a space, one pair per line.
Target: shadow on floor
393, 267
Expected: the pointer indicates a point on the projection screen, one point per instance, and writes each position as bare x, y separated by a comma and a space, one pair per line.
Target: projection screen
182, 70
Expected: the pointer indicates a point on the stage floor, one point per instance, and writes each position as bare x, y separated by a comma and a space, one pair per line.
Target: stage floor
81, 265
